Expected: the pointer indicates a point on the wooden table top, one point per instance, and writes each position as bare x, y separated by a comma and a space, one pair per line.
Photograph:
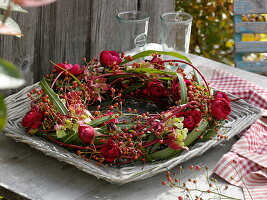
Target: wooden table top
34, 175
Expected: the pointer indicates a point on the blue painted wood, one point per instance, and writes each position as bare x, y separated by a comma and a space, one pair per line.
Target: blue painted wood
245, 7
238, 38
251, 27
251, 47
253, 63
242, 7
253, 66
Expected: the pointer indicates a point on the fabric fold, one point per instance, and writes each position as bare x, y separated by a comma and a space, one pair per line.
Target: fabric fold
246, 163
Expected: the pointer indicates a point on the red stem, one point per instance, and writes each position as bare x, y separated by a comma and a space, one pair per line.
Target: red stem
174, 111
181, 61
150, 143
68, 145
56, 79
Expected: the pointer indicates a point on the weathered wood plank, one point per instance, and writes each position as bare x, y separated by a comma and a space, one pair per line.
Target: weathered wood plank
155, 8
70, 30
20, 51
251, 47
253, 66
104, 32
250, 7
251, 27
237, 37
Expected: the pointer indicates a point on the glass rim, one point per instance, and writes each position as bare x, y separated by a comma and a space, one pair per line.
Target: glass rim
178, 12
118, 16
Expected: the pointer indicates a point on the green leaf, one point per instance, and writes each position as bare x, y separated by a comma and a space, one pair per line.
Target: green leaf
149, 71
3, 113
70, 137
101, 120
10, 76
12, 26
211, 131
197, 77
151, 137
14, 7
165, 78
154, 147
193, 135
183, 89
125, 125
113, 77
61, 133
164, 154
53, 97
75, 127
150, 52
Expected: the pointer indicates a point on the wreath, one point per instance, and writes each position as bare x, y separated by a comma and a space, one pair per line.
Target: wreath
120, 110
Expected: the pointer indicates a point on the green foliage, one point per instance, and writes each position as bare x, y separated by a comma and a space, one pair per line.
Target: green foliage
13, 7
10, 77
3, 112
150, 52
53, 97
183, 92
212, 28
8, 69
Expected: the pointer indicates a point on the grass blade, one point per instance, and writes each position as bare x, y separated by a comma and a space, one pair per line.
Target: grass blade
183, 89
150, 52
53, 97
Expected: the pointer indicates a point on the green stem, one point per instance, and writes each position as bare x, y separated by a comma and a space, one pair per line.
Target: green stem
241, 178
203, 191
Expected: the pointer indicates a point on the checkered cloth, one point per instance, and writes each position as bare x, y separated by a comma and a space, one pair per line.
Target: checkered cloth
246, 164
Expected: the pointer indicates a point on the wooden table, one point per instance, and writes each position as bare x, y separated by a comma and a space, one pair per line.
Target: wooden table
34, 175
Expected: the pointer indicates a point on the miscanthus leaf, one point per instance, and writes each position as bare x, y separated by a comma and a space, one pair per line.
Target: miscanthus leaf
101, 120
70, 137
183, 89
53, 97
196, 132
197, 77
150, 52
61, 133
164, 154
149, 71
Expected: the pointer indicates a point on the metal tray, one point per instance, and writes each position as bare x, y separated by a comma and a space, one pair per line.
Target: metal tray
242, 116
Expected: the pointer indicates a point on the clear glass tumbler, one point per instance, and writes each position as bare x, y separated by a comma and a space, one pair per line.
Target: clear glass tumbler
175, 31
133, 27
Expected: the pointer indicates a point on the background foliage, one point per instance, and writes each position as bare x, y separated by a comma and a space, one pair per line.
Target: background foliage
212, 28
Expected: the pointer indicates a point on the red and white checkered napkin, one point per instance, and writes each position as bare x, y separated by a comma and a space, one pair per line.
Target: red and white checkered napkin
246, 164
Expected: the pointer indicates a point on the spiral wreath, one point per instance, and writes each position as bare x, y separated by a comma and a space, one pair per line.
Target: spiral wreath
118, 111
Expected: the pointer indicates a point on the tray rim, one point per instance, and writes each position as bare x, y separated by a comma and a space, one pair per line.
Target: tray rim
68, 156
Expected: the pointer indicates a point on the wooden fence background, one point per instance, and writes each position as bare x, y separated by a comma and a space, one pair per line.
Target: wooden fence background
69, 30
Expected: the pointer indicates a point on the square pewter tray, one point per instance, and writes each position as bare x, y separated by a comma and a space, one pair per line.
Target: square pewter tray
242, 116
